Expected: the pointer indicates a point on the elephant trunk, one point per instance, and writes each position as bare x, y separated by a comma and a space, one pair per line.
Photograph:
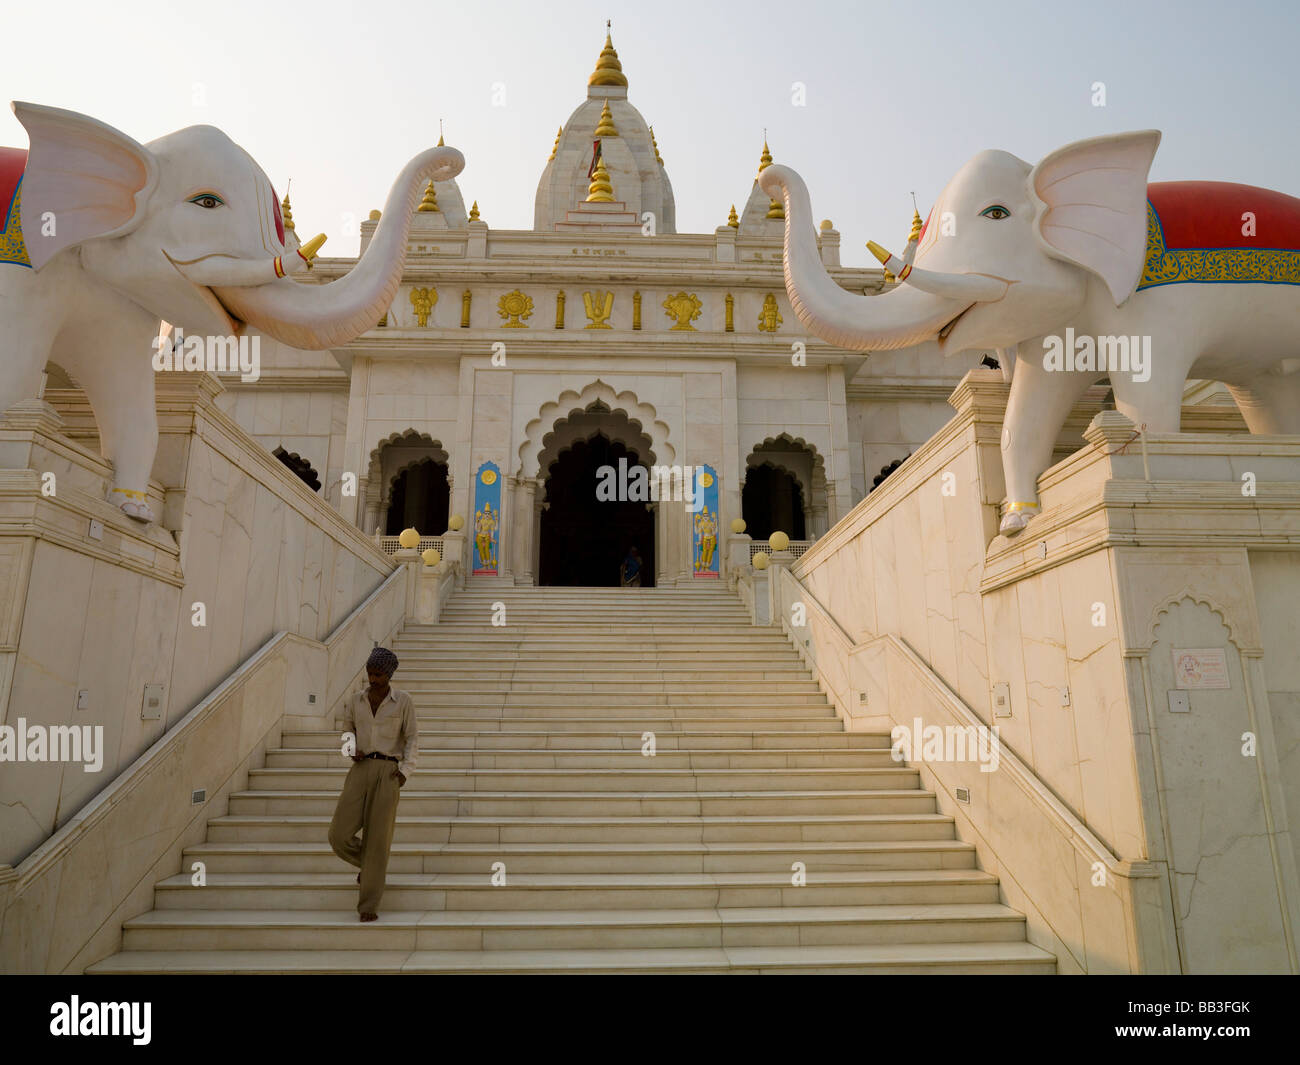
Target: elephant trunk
898, 319
314, 317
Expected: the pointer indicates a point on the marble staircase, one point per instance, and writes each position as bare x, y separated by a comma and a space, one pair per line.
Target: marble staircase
532, 734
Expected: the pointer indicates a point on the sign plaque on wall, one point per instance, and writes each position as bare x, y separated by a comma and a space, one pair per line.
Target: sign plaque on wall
1197, 668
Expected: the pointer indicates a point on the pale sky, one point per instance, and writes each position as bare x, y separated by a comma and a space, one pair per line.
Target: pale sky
339, 95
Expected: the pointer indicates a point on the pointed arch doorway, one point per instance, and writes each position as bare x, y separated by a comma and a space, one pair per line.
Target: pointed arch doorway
583, 534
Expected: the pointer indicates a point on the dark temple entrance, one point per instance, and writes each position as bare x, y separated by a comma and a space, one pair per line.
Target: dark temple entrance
583, 539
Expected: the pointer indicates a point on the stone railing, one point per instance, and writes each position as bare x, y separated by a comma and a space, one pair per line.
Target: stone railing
389, 544
796, 548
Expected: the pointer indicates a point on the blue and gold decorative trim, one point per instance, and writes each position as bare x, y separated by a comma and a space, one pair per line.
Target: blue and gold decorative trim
13, 249
1213, 266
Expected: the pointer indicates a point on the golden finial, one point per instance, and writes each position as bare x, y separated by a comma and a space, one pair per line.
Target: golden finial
827, 225
609, 71
287, 212
605, 128
655, 145
764, 160
776, 209
473, 212
430, 201
601, 190
441, 142
732, 220
916, 222
556, 146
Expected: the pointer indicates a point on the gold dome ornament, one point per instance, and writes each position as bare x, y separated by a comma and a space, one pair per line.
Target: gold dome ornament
601, 189
827, 225
761, 560
430, 201
738, 525
609, 71
431, 556
776, 209
778, 541
732, 219
408, 538
473, 212
606, 128
456, 524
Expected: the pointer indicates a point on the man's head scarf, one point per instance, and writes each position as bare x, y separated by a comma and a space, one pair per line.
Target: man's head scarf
382, 660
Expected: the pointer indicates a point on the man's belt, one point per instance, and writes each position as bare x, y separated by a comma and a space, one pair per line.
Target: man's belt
385, 757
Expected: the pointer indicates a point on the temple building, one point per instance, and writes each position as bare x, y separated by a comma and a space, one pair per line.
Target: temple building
533, 358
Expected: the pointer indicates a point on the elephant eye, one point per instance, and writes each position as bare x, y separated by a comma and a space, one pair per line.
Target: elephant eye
208, 200
996, 212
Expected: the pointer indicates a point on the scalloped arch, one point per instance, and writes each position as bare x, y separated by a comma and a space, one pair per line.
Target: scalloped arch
411, 465
758, 458
641, 416
374, 467
1185, 595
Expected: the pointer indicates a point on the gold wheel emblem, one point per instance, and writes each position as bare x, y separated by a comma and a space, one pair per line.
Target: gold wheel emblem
489, 477
706, 479
515, 307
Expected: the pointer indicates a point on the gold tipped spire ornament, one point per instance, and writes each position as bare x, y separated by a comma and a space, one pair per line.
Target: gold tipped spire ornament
430, 201
764, 160
601, 190
732, 219
287, 212
473, 212
556, 146
916, 226
609, 71
606, 128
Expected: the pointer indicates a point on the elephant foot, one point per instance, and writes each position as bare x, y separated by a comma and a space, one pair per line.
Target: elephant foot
1017, 517
133, 504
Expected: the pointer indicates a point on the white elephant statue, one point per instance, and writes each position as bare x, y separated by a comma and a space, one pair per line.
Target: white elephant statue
1074, 270
105, 239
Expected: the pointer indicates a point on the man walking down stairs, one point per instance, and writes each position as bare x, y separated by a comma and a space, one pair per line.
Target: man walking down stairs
613, 780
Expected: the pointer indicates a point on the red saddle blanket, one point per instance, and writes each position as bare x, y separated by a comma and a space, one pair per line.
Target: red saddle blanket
1209, 214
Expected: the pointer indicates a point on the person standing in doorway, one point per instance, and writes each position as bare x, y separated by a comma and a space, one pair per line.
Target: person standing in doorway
382, 721
629, 573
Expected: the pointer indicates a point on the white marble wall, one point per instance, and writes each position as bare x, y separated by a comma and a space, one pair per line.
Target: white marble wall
259, 550
1075, 618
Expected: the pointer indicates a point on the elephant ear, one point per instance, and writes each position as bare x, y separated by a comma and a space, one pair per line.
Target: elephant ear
1092, 205
83, 176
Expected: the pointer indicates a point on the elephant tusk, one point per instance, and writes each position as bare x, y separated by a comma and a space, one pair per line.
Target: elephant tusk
308, 251
971, 288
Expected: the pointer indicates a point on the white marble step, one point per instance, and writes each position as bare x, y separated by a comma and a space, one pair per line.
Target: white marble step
738, 828
646, 777
613, 856
580, 891
592, 802
432, 758
612, 738
882, 960
475, 930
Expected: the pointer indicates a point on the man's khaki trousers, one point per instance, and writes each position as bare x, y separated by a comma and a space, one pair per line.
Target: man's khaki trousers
368, 805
